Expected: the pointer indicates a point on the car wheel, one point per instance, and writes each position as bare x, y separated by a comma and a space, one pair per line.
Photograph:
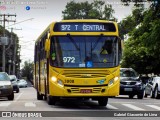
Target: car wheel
131, 96
17, 91
157, 96
140, 96
152, 94
145, 95
103, 101
11, 97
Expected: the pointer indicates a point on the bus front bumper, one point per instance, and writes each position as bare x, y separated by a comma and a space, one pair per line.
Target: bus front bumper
84, 91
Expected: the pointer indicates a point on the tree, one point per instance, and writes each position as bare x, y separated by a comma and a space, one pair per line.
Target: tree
27, 70
10, 51
142, 48
85, 10
129, 23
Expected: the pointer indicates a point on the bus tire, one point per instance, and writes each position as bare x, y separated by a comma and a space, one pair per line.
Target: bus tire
103, 101
51, 100
39, 96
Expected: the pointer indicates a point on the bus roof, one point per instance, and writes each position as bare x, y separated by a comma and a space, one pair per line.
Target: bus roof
85, 20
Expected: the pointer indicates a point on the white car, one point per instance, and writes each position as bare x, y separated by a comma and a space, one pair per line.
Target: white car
22, 83
6, 88
152, 88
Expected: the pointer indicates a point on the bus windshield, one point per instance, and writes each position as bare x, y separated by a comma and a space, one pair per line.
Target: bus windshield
84, 51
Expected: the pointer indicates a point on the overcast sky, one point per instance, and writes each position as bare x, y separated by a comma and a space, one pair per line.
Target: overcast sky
40, 15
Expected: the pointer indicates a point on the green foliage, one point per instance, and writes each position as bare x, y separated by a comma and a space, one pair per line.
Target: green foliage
10, 49
85, 10
27, 70
129, 23
142, 48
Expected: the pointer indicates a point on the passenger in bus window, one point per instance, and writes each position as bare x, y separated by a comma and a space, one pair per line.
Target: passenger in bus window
106, 48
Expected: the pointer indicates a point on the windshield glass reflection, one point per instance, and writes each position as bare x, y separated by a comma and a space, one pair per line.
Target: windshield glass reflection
84, 51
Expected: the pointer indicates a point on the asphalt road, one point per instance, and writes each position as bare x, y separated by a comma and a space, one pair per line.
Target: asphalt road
25, 105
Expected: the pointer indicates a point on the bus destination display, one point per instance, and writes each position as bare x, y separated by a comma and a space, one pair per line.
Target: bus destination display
84, 27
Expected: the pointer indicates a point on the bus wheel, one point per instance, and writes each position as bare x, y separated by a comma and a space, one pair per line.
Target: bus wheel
51, 100
103, 101
39, 96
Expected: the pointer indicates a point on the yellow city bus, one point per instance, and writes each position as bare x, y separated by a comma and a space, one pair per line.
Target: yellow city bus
78, 59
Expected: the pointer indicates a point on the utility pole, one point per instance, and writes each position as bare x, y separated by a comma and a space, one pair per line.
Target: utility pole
14, 43
10, 61
3, 50
14, 54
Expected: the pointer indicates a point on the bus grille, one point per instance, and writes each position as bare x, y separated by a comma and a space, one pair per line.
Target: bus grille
85, 73
77, 90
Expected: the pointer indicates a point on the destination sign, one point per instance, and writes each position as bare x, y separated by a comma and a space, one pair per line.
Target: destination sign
84, 27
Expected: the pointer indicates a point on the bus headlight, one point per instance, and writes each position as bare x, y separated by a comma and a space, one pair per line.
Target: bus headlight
60, 83
57, 81
54, 79
112, 81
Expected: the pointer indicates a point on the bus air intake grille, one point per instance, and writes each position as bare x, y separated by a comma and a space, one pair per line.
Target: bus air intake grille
85, 73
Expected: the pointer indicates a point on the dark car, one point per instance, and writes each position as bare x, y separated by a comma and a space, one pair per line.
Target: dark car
14, 82
145, 79
130, 83
152, 88
6, 88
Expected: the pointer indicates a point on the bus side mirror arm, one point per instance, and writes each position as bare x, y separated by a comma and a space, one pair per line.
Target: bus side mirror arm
47, 46
122, 43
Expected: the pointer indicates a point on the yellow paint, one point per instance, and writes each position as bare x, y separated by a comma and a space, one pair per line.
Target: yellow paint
89, 79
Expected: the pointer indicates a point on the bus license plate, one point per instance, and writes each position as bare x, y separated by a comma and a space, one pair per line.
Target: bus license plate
86, 91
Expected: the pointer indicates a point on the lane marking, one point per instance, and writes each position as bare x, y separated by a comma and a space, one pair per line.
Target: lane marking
18, 97
122, 102
132, 107
4, 104
111, 107
30, 104
154, 106
151, 103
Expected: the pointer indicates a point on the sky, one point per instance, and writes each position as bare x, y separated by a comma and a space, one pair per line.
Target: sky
39, 15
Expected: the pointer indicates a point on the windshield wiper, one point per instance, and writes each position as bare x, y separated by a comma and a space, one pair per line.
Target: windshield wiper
73, 41
95, 44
